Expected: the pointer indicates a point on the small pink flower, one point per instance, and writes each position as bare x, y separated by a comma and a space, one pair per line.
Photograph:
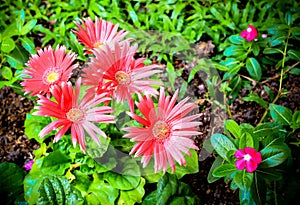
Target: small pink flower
99, 33
73, 113
250, 33
248, 158
28, 165
119, 74
48, 67
166, 132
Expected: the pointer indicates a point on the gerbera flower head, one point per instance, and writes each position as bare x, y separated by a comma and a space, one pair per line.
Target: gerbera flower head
248, 158
99, 33
119, 74
250, 33
166, 132
71, 112
48, 67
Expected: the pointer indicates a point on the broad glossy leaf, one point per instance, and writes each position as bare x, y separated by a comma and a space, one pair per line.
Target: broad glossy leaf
254, 68
18, 57
295, 71
236, 39
272, 50
233, 128
258, 189
218, 162
281, 114
224, 170
296, 120
8, 45
243, 179
11, 178
222, 145
246, 140
274, 155
234, 50
192, 165
267, 129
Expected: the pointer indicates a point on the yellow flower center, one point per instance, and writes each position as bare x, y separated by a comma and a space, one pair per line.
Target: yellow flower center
98, 44
75, 115
122, 78
161, 130
247, 157
50, 76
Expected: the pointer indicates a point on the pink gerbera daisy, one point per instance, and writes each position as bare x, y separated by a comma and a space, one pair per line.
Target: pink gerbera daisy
99, 33
48, 67
248, 158
71, 113
119, 74
166, 132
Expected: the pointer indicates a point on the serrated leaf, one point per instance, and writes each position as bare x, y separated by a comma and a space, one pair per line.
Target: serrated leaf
56, 163
126, 176
224, 170
222, 145
8, 45
233, 128
254, 69
133, 196
274, 155
281, 114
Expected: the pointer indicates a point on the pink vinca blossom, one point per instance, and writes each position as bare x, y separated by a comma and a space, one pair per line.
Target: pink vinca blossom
248, 158
48, 67
166, 132
250, 33
99, 33
74, 114
119, 74
28, 165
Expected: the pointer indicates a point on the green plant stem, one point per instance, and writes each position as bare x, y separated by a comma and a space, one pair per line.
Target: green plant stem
281, 78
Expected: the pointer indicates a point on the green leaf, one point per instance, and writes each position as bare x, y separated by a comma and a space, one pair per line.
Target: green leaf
267, 129
28, 44
218, 162
56, 163
28, 26
255, 49
100, 192
243, 179
295, 55
222, 145
224, 170
33, 125
133, 196
246, 140
258, 189
233, 127
253, 68
253, 97
234, 50
17, 58
31, 186
171, 74
7, 73
274, 155
296, 120
57, 190
11, 181
8, 45
281, 114
272, 51
192, 165
269, 174
126, 176
295, 71
236, 39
